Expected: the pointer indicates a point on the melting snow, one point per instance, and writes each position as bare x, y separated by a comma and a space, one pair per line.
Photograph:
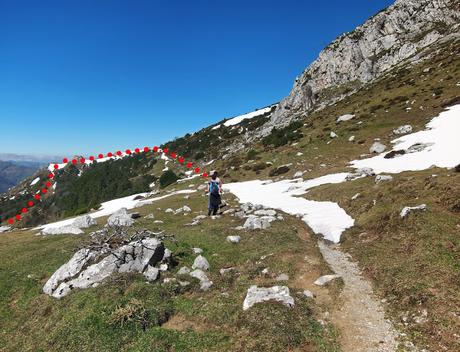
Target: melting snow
110, 207
34, 182
325, 218
236, 120
441, 141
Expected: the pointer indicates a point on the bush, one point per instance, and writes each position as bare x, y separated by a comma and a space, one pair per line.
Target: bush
283, 136
167, 178
251, 155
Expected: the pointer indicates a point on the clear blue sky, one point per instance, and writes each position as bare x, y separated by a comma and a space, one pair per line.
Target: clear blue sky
89, 76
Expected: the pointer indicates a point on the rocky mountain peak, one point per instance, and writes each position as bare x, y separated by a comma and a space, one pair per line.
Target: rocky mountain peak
385, 40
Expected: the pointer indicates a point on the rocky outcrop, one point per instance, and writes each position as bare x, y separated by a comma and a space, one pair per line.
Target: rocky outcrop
372, 49
120, 218
80, 272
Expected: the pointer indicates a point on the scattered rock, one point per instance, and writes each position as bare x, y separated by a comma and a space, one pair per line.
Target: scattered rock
333, 134
361, 172
308, 294
377, 147
120, 218
403, 129
184, 209
261, 294
233, 239
355, 196
406, 210
323, 280
383, 178
183, 271
169, 210
151, 273
351, 139
200, 217
205, 283
224, 271
265, 212
200, 263
158, 222
229, 212
280, 170
298, 174
255, 223
197, 250
135, 215
84, 222
150, 216
202, 187
282, 277
346, 117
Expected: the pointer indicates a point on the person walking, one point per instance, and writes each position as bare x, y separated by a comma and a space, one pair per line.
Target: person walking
215, 190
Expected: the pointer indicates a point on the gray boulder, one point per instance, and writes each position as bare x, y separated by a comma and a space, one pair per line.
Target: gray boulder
403, 129
183, 271
120, 218
383, 178
267, 212
406, 210
151, 273
205, 283
84, 222
262, 294
377, 147
255, 223
346, 117
200, 263
233, 239
323, 280
136, 256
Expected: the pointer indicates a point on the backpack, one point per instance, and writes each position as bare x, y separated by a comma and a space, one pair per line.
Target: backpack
214, 188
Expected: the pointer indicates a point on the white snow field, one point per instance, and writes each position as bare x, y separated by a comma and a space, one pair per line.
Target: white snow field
438, 145
325, 218
110, 207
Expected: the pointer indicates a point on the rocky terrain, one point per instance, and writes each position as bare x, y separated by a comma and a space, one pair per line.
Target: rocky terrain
340, 231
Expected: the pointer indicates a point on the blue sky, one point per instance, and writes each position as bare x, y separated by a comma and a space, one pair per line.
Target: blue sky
81, 77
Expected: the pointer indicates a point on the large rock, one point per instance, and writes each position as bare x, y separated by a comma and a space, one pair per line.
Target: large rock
258, 223
137, 256
406, 210
200, 263
267, 212
261, 294
383, 178
62, 230
84, 222
377, 147
120, 218
205, 283
323, 280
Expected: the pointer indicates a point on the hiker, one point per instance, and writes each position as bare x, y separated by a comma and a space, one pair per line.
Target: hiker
215, 190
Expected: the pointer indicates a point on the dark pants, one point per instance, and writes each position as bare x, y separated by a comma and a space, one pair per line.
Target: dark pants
214, 202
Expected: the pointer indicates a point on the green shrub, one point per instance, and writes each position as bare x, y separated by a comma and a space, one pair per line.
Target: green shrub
167, 178
283, 136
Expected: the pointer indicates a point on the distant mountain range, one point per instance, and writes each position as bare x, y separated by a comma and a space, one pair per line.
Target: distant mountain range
13, 172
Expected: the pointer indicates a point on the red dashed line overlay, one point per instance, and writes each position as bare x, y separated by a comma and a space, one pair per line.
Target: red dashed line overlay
49, 183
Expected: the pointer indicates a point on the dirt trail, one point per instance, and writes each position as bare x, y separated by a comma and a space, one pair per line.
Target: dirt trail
361, 318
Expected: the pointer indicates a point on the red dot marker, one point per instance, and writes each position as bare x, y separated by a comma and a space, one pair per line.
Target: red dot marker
44, 191
91, 158
30, 203
11, 221
197, 170
74, 161
173, 155
48, 184
165, 150
37, 196
51, 175
118, 153
137, 150
100, 156
24, 210
109, 154
189, 165
65, 160
155, 149
18, 217
205, 174
146, 149
181, 160
56, 166
128, 151
82, 160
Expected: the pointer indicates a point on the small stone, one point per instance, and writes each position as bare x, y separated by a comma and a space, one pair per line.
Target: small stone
205, 283
261, 294
403, 130
233, 239
377, 147
308, 294
346, 117
333, 134
383, 178
351, 139
323, 280
200, 263
183, 271
151, 273
282, 277
197, 250
406, 210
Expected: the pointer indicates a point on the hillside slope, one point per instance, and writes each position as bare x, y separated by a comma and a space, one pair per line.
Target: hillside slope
11, 174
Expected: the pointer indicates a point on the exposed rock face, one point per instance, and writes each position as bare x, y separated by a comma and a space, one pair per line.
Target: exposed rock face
358, 57
261, 294
137, 256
